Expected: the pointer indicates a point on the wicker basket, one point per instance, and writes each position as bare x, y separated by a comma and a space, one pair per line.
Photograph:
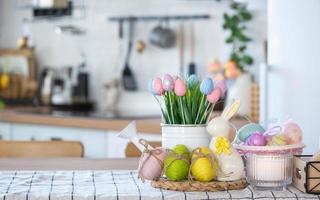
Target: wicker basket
196, 186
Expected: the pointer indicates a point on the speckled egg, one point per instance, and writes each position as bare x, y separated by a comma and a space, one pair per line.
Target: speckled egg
248, 129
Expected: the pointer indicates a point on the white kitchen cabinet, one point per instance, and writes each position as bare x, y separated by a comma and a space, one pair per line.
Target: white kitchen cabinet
97, 143
5, 133
93, 140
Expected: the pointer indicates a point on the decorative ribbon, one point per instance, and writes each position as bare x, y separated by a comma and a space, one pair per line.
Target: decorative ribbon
222, 145
273, 130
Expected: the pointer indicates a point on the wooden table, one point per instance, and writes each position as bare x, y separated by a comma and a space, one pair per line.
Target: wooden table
67, 164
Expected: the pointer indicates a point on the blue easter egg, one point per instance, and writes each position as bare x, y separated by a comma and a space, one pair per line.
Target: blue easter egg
192, 81
206, 86
245, 131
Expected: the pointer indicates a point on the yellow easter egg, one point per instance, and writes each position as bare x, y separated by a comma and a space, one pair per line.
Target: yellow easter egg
201, 150
204, 167
4, 81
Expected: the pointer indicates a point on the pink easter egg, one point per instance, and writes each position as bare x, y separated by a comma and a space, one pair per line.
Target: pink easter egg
157, 86
168, 82
293, 133
180, 88
222, 85
214, 96
151, 169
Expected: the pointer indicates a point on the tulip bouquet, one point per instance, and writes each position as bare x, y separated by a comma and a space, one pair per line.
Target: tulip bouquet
189, 101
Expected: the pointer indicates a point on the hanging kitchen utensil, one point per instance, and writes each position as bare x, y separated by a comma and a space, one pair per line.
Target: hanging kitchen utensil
128, 79
163, 37
120, 29
192, 68
181, 50
122, 45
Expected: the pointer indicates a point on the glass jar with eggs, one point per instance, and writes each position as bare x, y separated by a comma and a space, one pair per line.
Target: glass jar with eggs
269, 153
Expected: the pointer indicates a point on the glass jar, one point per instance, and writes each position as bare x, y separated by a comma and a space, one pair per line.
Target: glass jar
269, 171
269, 167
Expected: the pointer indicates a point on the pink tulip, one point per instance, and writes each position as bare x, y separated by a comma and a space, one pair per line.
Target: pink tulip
214, 96
180, 88
157, 86
222, 86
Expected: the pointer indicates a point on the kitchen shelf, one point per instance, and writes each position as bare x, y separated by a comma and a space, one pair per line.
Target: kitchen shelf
75, 10
160, 18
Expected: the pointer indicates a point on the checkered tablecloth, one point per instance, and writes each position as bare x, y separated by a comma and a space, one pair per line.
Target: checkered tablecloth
105, 185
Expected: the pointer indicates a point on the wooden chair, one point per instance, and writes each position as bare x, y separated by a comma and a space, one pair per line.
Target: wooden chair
41, 149
132, 151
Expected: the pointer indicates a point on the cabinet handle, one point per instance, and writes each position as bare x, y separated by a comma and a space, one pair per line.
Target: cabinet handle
56, 139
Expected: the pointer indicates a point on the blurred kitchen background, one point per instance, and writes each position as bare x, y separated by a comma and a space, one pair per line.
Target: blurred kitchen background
103, 51
76, 54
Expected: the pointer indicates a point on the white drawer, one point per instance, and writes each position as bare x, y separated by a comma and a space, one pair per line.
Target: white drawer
5, 131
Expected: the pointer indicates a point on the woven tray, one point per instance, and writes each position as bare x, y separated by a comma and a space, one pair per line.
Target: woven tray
196, 186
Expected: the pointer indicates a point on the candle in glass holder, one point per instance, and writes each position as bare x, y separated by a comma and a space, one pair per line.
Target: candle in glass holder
269, 171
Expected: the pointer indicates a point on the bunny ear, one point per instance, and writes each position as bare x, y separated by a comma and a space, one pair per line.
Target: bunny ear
231, 110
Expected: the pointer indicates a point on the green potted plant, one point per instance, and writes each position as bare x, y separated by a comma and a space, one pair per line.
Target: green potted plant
186, 106
234, 69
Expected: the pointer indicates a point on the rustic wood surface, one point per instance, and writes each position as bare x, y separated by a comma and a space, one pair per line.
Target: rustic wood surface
41, 149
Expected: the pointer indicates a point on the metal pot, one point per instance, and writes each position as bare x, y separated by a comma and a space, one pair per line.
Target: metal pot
163, 37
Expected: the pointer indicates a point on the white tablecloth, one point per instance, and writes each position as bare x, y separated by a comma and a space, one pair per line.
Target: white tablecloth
105, 185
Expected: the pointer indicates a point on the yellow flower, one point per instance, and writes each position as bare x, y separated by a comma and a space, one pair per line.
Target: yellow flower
222, 145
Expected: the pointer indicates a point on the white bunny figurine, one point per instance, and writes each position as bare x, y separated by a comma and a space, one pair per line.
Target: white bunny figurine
230, 161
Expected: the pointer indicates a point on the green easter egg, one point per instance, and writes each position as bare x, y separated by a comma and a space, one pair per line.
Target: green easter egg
181, 149
175, 169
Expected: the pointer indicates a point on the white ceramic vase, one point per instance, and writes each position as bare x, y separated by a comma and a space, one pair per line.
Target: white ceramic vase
192, 136
240, 89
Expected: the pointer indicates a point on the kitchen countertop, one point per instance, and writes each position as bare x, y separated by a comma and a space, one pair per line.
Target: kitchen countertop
94, 120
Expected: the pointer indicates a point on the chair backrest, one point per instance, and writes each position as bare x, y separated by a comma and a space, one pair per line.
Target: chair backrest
132, 151
41, 149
